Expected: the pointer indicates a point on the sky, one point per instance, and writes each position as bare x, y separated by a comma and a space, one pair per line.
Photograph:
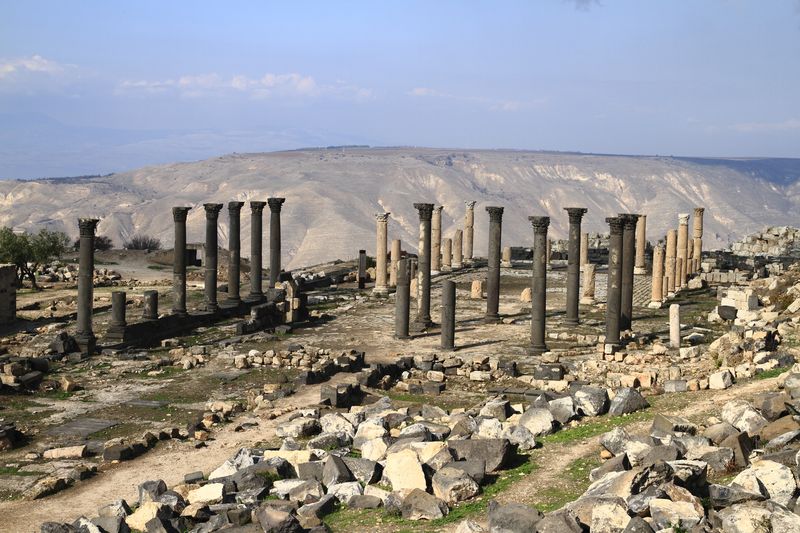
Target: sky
94, 87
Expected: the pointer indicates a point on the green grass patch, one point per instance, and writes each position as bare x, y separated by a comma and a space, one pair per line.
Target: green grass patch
14, 471
774, 373
597, 426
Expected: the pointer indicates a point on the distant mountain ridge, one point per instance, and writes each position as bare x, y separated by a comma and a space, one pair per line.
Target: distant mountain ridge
332, 195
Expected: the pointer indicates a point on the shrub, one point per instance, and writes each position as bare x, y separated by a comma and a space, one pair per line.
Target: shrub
142, 242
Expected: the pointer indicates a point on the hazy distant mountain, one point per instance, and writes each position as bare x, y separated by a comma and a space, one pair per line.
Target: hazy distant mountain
332, 195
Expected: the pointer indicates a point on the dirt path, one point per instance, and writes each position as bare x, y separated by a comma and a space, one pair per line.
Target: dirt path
170, 462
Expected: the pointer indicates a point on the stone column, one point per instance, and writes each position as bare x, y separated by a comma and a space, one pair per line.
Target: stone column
118, 303
402, 297
628, 256
150, 308
469, 231
682, 255
549, 252
395, 258
256, 267
436, 239
362, 269
235, 250
505, 258
447, 255
423, 320
614, 280
589, 276
448, 315
493, 276
674, 326
84, 335
538, 285
584, 249
179, 261
671, 263
657, 287
210, 260
274, 239
640, 267
458, 254
573, 262
381, 287
697, 238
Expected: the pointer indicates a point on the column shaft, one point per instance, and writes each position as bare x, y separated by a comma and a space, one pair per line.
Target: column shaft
234, 249
458, 250
402, 297
614, 280
84, 335
150, 309
493, 275
179, 260
381, 287
423, 320
274, 239
682, 252
256, 237
573, 263
628, 258
589, 278
539, 285
210, 261
657, 287
396, 253
362, 269
469, 230
584, 249
671, 260
448, 315
447, 255
436, 239
640, 266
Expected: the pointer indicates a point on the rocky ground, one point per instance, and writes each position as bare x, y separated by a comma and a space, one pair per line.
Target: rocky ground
407, 456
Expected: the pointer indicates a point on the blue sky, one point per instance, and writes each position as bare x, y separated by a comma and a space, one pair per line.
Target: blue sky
94, 87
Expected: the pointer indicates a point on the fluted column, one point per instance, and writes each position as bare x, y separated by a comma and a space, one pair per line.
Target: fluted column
628, 256
671, 262
573, 262
274, 239
395, 259
179, 261
256, 237
469, 230
235, 250
382, 224
210, 261
436, 239
697, 238
657, 287
493, 275
682, 255
640, 266
458, 250
614, 280
84, 335
539, 284
423, 320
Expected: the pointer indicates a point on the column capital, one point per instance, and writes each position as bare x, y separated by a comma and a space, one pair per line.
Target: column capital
698, 211
540, 224
275, 204
683, 219
87, 226
495, 213
425, 211
212, 211
470, 204
179, 213
575, 214
382, 217
438, 209
615, 225
257, 207
629, 220
235, 207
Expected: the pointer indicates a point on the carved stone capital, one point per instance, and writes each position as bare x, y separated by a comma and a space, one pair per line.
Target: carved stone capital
382, 217
698, 211
615, 224
495, 213
87, 226
257, 207
575, 214
470, 204
425, 211
683, 219
212, 211
540, 225
179, 213
275, 204
235, 208
629, 220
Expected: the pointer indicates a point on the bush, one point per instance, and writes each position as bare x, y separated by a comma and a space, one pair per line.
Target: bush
101, 243
142, 242
28, 251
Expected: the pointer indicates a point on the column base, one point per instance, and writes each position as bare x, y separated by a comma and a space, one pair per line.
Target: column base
402, 337
587, 301
611, 347
639, 271
506, 264
180, 312
420, 326
537, 350
380, 291
231, 303
87, 343
655, 304
572, 321
212, 308
457, 266
254, 297
492, 319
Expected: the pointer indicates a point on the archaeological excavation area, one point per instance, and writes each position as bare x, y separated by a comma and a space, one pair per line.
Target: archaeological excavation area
621, 381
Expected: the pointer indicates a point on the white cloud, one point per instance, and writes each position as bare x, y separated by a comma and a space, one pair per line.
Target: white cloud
492, 104
267, 86
11, 69
754, 127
